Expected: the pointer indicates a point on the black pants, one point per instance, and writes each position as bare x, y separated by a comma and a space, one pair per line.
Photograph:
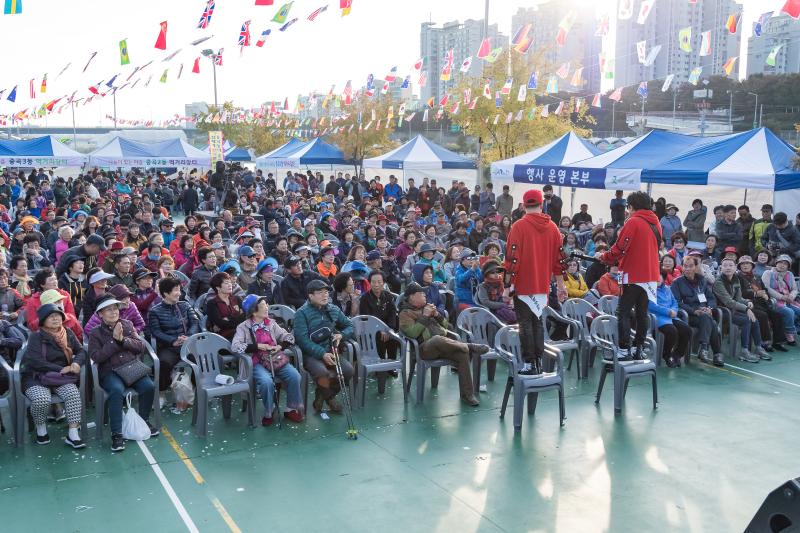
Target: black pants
633, 298
707, 331
676, 339
531, 332
388, 349
168, 356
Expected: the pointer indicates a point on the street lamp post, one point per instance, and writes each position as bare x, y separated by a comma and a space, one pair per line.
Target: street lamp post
210, 54
755, 111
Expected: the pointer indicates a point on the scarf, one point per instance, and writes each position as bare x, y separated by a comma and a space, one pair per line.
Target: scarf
326, 271
60, 336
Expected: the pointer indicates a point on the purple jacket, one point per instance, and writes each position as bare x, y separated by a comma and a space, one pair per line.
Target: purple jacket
130, 313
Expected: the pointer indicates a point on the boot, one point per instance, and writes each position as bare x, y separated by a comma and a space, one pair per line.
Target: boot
705, 357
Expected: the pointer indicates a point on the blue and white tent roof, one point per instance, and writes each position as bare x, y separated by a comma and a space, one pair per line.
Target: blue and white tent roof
420, 154
316, 152
567, 149
42, 151
755, 159
120, 152
268, 160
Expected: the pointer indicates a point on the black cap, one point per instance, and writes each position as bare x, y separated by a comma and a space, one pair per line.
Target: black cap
97, 240
413, 288
316, 285
291, 261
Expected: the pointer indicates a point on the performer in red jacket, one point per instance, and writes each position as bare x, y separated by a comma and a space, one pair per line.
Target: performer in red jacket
636, 253
534, 255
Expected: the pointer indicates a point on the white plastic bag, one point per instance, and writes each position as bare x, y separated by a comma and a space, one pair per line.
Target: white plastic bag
182, 389
133, 426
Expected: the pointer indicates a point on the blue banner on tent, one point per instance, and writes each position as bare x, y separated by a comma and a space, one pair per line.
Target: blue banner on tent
587, 178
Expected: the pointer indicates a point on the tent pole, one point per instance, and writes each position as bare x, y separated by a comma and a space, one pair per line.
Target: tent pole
650, 190
744, 202
571, 203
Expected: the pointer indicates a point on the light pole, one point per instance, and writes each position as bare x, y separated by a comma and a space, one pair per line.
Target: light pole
210, 54
730, 111
755, 111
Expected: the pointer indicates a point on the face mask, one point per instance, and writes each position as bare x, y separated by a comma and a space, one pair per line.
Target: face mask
153, 257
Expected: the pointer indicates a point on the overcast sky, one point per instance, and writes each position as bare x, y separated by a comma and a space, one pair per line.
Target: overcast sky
309, 56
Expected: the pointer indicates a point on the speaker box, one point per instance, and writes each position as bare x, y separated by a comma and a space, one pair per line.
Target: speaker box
780, 512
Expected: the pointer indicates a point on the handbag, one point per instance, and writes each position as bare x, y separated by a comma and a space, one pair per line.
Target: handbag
132, 371
55, 379
272, 362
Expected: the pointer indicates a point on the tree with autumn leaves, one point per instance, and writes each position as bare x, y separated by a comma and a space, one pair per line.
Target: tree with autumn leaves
245, 133
514, 127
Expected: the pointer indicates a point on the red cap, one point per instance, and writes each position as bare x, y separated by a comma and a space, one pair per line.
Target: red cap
730, 250
532, 198
116, 245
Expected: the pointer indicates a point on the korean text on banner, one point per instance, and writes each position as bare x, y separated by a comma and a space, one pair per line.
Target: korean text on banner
215, 149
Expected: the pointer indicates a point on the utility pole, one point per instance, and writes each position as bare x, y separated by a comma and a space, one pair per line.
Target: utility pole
730, 111
212, 56
761, 116
755, 111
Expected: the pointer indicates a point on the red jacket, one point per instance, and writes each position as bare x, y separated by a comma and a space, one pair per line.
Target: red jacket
636, 249
534, 254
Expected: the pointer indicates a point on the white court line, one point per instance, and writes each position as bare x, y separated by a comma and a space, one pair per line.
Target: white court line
187, 520
763, 375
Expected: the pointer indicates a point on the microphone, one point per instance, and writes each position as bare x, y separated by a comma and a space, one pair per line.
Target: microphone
578, 255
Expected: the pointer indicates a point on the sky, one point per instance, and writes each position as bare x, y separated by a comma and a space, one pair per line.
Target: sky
309, 56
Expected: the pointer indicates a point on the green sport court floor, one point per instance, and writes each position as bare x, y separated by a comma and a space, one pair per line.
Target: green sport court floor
704, 461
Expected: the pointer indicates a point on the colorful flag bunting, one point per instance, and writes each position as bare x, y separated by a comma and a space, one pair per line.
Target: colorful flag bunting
261, 40
578, 103
518, 117
563, 71
164, 76
642, 90
487, 89
651, 56
196, 67
625, 10
161, 41
694, 75
282, 14
758, 26
506, 89
205, 18
577, 78
43, 88
244, 34
641, 51
729, 64
494, 55
425, 116
773, 55
314, 14
498, 99
685, 39
532, 81
124, 58
345, 6
559, 108
667, 83
473, 103
552, 85
467, 95
524, 46
732, 24
616, 96
564, 26
597, 101
521, 41
456, 108
392, 75
644, 12
705, 43
466, 65
87, 63
485, 49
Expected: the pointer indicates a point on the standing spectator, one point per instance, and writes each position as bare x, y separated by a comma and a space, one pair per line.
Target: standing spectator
505, 202
581, 217
392, 190
670, 223
617, 209
729, 232
552, 204
487, 200
746, 220
758, 228
695, 221
718, 215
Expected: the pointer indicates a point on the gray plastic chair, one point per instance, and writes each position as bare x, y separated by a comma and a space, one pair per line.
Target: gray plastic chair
423, 365
200, 304
479, 326
604, 333
507, 344
23, 403
659, 338
608, 304
203, 321
9, 401
365, 341
100, 395
283, 313
304, 379
206, 348
572, 344
578, 310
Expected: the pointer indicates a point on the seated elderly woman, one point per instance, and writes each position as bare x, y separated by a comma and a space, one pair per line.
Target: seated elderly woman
127, 310
52, 363
573, 280
115, 347
45, 281
264, 284
492, 293
265, 339
224, 308
345, 295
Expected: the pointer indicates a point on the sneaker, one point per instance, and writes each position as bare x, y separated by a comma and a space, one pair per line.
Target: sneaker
334, 405
762, 353
43, 439
162, 400
719, 360
117, 442
530, 369
638, 354
154, 431
705, 357
293, 416
266, 421
623, 354
76, 444
470, 400
746, 356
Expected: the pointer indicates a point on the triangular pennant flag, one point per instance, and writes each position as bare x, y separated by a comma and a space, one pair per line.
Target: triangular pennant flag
485, 49
644, 11
616, 95
577, 78
12, 96
161, 41
729, 64
559, 108
597, 101
773, 55
473, 103
43, 88
196, 67
705, 43
496, 119
667, 83
792, 8
563, 71
523, 93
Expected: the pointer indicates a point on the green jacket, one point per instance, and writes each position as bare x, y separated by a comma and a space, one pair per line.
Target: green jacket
756, 231
418, 327
310, 318
729, 293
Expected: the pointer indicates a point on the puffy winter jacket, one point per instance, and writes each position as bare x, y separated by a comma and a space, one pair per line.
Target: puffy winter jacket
686, 293
636, 248
467, 280
201, 281
109, 353
293, 289
665, 303
728, 234
310, 318
695, 221
168, 322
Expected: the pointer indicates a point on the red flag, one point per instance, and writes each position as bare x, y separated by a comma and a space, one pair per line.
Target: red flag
196, 67
792, 8
93, 90
485, 48
286, 104
264, 2
161, 42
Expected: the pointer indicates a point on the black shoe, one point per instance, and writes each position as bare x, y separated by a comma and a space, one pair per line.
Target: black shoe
154, 431
530, 369
769, 348
718, 360
638, 354
76, 444
791, 343
392, 373
672, 362
780, 347
471, 400
705, 357
43, 439
117, 442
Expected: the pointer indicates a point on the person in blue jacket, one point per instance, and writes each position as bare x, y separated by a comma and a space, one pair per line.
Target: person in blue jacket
423, 274
676, 332
392, 190
468, 276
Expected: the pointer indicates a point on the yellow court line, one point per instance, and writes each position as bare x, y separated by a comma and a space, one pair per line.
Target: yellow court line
225, 516
182, 455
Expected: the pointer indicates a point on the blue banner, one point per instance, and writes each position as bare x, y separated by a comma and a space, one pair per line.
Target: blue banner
587, 178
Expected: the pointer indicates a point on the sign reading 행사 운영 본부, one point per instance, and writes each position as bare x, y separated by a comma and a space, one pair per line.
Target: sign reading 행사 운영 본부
586, 178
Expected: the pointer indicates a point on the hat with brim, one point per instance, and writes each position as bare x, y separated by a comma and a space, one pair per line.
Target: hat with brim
97, 277
491, 267
50, 296
143, 273
785, 258
120, 291
745, 259
427, 247
46, 310
466, 253
316, 285
29, 220
107, 302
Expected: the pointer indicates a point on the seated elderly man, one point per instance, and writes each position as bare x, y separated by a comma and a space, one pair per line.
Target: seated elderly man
420, 321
